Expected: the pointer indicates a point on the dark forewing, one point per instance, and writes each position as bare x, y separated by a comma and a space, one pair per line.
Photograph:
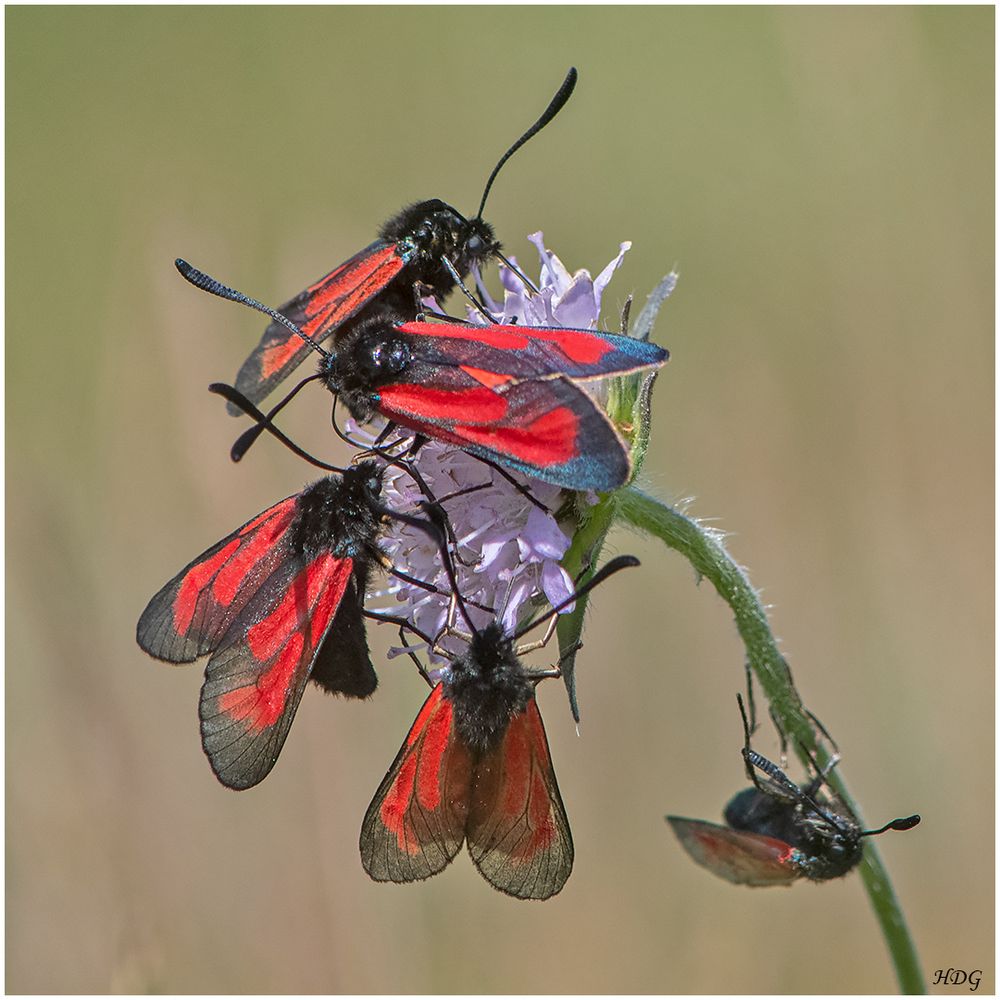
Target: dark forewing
518, 833
510, 353
415, 824
190, 615
254, 680
547, 428
738, 857
317, 312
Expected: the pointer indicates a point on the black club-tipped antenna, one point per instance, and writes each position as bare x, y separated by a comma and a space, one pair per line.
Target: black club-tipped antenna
908, 823
608, 569
555, 106
435, 525
243, 443
263, 422
209, 284
754, 759
904, 823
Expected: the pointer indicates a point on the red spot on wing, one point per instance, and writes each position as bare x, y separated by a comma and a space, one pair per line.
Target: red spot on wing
260, 705
346, 283
268, 635
275, 357
287, 640
786, 854
728, 847
251, 551
332, 300
723, 847
504, 338
419, 771
395, 804
428, 403
232, 563
490, 379
434, 744
738, 856
417, 729
526, 793
547, 440
516, 768
194, 582
536, 733
477, 417
711, 845
543, 829
580, 346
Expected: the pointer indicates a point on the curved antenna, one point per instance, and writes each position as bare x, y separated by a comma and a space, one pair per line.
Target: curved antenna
208, 284
435, 525
515, 270
754, 759
555, 106
437, 516
380, 616
263, 423
780, 781
609, 568
897, 824
243, 443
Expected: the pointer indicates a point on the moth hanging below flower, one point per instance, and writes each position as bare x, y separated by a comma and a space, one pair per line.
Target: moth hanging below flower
778, 832
475, 768
508, 394
277, 603
425, 250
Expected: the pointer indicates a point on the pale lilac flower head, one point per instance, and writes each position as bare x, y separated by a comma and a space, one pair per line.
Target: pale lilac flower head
564, 299
508, 550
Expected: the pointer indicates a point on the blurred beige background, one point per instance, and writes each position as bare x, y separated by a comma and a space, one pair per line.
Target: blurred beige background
822, 178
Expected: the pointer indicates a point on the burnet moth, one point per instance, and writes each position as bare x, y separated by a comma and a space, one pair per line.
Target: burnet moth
777, 831
424, 250
277, 603
475, 768
511, 395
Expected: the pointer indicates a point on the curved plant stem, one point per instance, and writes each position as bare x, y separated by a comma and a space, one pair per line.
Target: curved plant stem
703, 548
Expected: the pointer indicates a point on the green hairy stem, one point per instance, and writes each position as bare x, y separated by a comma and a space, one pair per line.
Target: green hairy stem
703, 548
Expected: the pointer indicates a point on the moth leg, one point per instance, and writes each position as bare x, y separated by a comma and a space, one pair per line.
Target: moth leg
476, 304
835, 755
413, 656
543, 674
520, 487
544, 641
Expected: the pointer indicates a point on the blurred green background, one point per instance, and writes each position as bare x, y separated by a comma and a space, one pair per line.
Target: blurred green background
823, 179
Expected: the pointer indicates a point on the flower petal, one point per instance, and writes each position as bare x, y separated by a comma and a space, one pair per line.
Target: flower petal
541, 537
554, 274
601, 281
557, 585
576, 306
